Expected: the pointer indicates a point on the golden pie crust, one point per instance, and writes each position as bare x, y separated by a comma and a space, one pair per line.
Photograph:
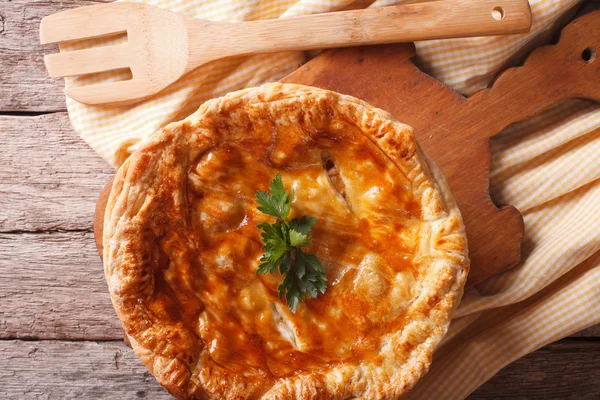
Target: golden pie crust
181, 250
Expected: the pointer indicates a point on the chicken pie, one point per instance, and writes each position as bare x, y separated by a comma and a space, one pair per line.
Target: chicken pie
182, 247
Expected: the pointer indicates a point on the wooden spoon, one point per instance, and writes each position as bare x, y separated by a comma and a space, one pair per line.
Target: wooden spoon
162, 46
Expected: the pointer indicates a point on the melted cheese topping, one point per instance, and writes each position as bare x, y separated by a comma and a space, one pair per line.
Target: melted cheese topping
366, 236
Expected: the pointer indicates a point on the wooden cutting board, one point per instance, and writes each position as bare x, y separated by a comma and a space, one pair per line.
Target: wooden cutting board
455, 131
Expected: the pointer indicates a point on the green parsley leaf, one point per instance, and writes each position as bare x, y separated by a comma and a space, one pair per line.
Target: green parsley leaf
300, 265
277, 190
267, 205
298, 239
303, 225
276, 202
286, 264
303, 272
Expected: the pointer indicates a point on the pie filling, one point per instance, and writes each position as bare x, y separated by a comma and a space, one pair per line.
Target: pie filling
366, 237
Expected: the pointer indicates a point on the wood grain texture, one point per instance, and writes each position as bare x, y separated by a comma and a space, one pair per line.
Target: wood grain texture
52, 286
24, 80
565, 370
591, 332
74, 370
569, 369
50, 178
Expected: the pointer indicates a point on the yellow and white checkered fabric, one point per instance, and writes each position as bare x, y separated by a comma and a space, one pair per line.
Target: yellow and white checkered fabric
548, 167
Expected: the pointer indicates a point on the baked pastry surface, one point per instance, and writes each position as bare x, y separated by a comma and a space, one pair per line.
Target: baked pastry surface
181, 249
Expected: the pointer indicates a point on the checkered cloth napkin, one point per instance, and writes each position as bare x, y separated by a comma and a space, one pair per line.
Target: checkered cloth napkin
548, 167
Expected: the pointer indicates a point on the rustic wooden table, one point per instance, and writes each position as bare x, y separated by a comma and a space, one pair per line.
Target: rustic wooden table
59, 336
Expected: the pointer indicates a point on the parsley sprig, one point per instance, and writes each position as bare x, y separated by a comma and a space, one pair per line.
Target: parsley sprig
283, 240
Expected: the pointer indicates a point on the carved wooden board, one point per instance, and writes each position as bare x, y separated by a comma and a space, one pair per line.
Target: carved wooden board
455, 131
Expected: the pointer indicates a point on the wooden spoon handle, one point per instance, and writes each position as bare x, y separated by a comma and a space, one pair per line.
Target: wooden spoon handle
403, 23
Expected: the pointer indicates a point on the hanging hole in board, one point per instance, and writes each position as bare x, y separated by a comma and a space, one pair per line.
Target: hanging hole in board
498, 13
588, 55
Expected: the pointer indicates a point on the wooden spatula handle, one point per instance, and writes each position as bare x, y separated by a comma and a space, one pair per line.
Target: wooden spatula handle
403, 23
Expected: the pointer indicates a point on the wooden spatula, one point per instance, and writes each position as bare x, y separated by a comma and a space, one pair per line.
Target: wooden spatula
162, 46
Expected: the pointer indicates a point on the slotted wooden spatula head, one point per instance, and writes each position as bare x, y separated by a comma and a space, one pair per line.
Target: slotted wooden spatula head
156, 50
162, 46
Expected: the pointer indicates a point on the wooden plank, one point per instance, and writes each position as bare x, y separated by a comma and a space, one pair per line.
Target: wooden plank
569, 369
74, 370
591, 332
52, 286
27, 87
25, 83
50, 178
